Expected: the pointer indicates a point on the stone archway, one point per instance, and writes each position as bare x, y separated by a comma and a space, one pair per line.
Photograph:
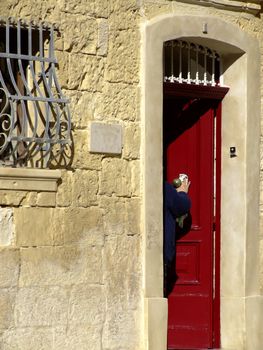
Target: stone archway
240, 200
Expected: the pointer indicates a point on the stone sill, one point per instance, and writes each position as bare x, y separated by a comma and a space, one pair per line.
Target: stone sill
26, 179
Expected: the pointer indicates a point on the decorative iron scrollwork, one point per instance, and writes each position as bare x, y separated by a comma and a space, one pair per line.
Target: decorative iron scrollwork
35, 125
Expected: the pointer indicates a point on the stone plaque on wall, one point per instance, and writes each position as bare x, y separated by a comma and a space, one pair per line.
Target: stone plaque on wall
105, 138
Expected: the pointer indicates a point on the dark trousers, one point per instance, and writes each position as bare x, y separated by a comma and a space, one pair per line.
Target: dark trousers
170, 278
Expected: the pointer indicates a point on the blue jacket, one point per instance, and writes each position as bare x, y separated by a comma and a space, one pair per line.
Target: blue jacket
175, 205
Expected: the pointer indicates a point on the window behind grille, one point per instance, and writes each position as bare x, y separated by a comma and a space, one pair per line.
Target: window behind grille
34, 114
190, 63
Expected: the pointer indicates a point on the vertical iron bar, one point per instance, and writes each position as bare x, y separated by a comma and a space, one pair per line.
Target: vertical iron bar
23, 118
31, 64
172, 60
28, 92
188, 64
180, 62
52, 69
35, 89
197, 68
45, 84
213, 68
221, 78
12, 104
205, 74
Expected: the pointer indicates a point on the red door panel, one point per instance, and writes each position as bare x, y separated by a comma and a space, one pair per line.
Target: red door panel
189, 148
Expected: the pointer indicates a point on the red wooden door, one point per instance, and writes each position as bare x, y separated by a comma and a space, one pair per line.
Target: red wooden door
189, 144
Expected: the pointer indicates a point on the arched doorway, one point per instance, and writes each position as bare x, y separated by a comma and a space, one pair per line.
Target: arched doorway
239, 223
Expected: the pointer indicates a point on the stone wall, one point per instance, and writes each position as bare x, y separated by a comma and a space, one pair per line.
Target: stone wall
71, 260
71, 272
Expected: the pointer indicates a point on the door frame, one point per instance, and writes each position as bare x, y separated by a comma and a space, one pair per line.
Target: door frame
216, 93
239, 212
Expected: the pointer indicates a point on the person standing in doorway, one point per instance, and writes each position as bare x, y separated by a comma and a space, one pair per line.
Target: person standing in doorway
176, 204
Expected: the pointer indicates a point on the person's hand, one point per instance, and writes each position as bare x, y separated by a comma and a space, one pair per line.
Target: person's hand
184, 186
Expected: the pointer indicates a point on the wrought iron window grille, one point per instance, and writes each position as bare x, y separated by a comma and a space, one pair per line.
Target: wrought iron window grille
34, 113
190, 63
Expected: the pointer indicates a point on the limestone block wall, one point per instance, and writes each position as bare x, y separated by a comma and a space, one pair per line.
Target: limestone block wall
71, 260
71, 273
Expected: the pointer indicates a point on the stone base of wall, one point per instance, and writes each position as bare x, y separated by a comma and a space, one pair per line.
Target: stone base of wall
254, 321
156, 318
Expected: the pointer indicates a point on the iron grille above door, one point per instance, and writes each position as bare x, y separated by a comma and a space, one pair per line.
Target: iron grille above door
191, 63
34, 114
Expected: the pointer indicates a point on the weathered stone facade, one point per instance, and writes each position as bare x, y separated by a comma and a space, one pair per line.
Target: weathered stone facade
71, 261
72, 273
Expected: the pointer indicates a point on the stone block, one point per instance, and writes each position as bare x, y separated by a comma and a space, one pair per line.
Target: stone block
87, 305
101, 8
79, 34
83, 226
38, 226
60, 266
124, 5
232, 325
41, 306
122, 19
123, 57
64, 193
85, 188
12, 198
10, 265
133, 210
157, 316
154, 8
48, 10
123, 327
115, 177
63, 66
114, 216
7, 235
58, 42
105, 138
103, 37
136, 178
132, 138
261, 265
83, 159
82, 107
96, 8
46, 199
7, 302
121, 215
123, 291
78, 337
117, 101
29, 338
85, 72
30, 200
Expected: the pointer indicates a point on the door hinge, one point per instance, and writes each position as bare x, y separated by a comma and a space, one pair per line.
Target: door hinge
214, 226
